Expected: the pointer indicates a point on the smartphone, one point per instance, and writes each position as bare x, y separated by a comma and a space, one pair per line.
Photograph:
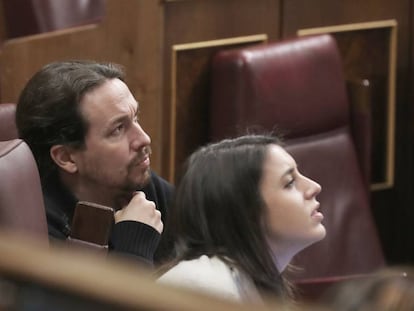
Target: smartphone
92, 223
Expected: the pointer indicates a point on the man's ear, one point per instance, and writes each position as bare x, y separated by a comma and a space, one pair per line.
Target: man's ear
62, 156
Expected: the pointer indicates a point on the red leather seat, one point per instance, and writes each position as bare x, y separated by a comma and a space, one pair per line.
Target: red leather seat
297, 87
8, 129
21, 200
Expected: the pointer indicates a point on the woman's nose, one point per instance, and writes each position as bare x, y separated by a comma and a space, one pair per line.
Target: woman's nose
313, 188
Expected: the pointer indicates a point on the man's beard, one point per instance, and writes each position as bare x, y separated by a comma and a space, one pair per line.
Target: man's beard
141, 155
130, 188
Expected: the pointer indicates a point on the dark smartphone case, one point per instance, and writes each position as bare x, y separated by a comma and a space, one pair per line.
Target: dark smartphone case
92, 223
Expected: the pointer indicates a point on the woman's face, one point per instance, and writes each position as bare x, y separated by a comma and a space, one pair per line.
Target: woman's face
292, 218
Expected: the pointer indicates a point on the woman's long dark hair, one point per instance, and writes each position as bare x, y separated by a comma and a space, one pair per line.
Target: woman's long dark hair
219, 209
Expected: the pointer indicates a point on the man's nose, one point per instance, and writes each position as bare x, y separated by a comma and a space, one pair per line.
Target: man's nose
139, 137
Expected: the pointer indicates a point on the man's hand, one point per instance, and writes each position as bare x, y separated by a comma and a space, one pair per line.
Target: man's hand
142, 210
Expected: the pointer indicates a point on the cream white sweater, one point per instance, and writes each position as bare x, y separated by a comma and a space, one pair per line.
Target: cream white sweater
212, 276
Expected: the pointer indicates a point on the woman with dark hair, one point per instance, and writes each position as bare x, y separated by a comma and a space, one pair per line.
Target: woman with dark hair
242, 211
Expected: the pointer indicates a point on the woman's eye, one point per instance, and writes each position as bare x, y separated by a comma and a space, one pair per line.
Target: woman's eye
135, 119
290, 183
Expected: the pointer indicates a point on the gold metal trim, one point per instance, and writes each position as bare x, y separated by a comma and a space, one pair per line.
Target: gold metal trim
190, 46
220, 42
392, 24
348, 27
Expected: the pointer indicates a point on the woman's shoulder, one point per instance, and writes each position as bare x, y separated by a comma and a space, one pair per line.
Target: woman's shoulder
207, 274
201, 266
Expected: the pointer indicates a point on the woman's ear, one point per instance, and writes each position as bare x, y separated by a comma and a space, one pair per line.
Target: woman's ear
62, 156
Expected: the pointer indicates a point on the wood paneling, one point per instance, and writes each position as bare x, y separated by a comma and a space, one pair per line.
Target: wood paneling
194, 21
122, 37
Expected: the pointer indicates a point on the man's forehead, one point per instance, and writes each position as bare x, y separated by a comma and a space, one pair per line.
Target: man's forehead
110, 97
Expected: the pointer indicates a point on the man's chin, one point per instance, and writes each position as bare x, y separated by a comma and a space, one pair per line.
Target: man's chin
142, 181
147, 178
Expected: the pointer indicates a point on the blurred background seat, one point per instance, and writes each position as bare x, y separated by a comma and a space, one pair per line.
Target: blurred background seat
296, 87
20, 18
28, 17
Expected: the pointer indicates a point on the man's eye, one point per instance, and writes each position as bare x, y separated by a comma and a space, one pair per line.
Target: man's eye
136, 119
117, 130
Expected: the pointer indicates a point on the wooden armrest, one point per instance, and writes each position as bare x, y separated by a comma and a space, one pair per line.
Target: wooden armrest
312, 289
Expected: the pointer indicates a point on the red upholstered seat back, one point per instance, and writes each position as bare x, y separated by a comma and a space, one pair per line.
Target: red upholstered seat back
21, 200
8, 129
280, 85
297, 87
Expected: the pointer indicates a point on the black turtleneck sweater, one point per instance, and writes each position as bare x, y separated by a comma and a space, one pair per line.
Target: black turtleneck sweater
131, 238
